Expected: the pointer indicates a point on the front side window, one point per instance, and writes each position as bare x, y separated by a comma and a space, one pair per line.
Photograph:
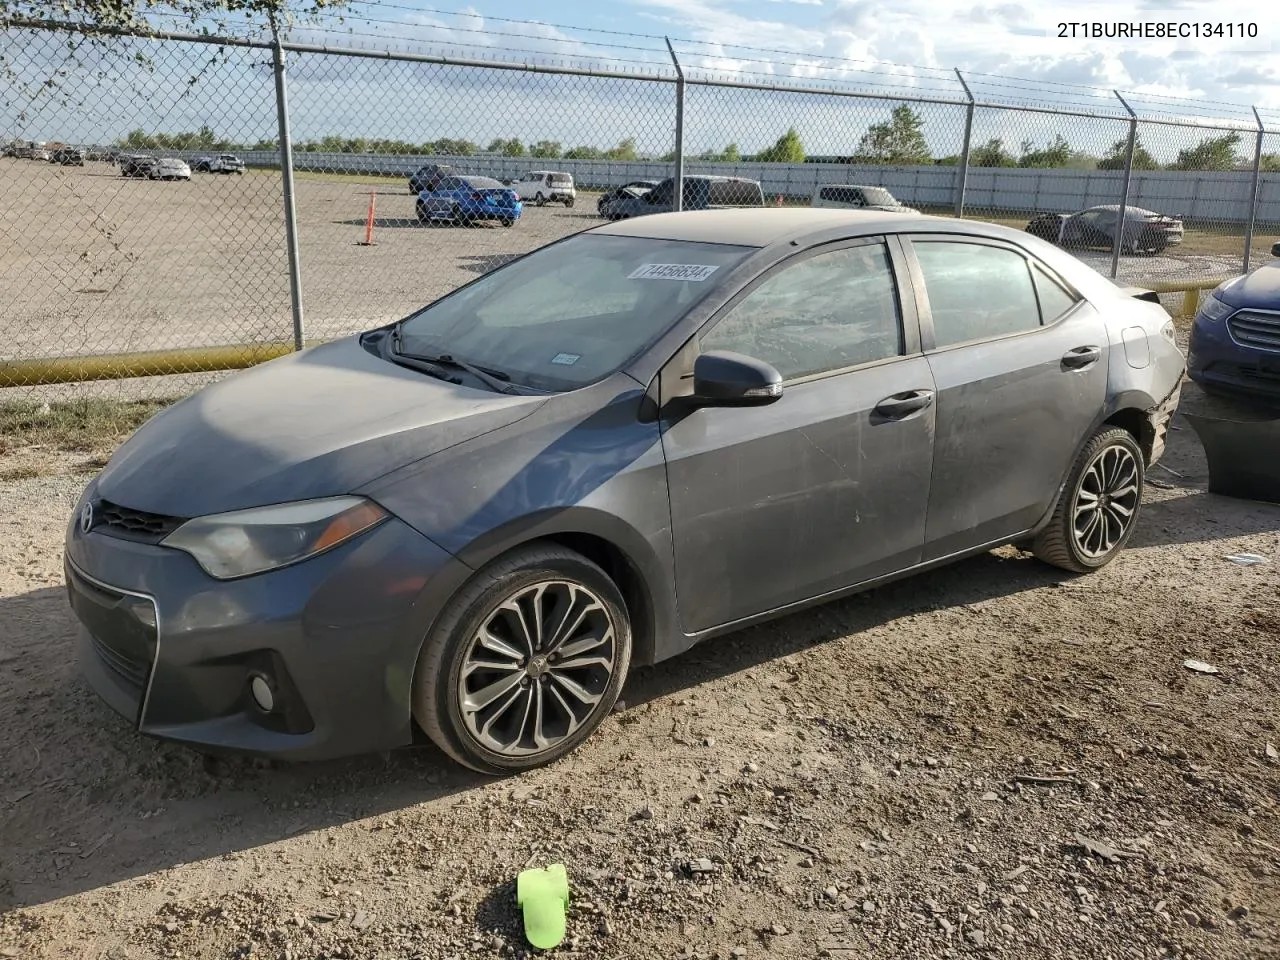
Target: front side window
573, 312
821, 313
976, 291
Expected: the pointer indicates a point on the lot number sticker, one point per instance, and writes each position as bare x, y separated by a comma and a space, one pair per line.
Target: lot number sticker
695, 272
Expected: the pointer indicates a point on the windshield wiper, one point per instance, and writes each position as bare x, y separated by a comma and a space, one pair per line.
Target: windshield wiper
494, 379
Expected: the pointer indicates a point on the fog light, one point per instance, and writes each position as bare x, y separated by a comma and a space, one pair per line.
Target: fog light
262, 695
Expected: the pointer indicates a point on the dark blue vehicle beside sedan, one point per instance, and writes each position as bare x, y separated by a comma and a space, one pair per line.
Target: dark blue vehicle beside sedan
468, 200
1235, 341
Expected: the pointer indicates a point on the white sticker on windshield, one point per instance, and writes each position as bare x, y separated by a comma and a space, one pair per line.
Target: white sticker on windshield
566, 359
695, 272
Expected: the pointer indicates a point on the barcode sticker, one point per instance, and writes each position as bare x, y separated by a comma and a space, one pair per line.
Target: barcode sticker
694, 272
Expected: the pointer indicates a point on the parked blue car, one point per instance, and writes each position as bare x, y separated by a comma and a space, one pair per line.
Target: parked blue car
1235, 341
468, 200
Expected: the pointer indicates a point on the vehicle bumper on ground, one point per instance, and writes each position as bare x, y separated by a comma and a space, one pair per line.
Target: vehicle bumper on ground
335, 638
1216, 359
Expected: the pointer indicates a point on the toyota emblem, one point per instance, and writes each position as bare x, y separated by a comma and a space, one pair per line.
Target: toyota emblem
86, 518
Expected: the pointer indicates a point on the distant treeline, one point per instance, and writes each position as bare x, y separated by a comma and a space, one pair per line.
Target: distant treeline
898, 141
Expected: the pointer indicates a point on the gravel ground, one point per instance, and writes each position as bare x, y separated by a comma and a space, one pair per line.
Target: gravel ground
992, 760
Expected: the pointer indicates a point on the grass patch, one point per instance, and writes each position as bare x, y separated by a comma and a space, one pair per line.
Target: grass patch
87, 426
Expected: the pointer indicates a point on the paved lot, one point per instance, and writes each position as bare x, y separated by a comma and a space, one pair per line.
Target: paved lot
95, 263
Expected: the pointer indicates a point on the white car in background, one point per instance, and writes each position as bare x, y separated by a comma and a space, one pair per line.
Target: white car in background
546, 186
853, 196
171, 168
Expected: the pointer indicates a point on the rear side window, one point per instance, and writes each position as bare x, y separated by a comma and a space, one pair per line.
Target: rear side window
842, 195
1055, 300
734, 193
976, 292
821, 313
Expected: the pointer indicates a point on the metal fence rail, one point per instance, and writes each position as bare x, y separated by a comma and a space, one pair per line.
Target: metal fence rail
142, 286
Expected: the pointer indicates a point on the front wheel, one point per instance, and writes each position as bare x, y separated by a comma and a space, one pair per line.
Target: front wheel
508, 223
568, 201
525, 662
540, 200
1099, 506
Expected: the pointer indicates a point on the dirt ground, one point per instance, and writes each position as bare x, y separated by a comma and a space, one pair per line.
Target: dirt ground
993, 760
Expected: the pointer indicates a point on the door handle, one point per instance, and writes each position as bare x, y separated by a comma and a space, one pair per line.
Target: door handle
902, 405
1081, 357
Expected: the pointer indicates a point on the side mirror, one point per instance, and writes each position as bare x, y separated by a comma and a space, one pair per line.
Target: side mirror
725, 379
1275, 249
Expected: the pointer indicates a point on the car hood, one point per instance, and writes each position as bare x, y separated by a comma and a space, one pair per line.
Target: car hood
1259, 289
312, 424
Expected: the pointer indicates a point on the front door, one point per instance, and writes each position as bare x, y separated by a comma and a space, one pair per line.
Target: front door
1020, 364
827, 486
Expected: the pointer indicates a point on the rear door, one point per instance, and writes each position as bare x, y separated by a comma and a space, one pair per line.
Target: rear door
827, 486
1020, 364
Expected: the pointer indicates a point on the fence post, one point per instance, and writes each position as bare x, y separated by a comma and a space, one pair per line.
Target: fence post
286, 170
962, 176
1253, 194
1118, 242
679, 173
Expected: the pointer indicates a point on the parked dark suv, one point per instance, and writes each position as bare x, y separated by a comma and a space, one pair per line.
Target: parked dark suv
69, 156
429, 177
700, 193
1235, 341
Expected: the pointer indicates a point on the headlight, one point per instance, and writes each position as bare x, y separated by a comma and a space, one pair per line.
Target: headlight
238, 544
1215, 309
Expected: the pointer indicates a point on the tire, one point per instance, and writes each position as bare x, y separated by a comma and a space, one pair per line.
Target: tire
456, 215
421, 210
508, 223
568, 202
1111, 463
540, 200
439, 679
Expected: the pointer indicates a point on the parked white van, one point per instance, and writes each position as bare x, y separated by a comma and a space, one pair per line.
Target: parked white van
850, 196
546, 186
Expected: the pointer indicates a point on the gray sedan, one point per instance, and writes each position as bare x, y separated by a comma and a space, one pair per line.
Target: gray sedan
467, 526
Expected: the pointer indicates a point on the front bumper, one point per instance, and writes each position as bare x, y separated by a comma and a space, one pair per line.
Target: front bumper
1215, 359
336, 637
1160, 417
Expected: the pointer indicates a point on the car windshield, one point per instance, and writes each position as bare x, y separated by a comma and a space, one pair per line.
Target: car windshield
573, 312
879, 197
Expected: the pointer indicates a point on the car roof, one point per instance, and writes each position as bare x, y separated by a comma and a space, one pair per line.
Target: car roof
761, 226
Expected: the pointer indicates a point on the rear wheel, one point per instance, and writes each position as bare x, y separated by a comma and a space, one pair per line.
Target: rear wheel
568, 201
540, 200
525, 662
1099, 506
508, 222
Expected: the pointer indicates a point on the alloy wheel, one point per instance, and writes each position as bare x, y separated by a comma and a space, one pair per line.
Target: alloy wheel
1106, 501
537, 668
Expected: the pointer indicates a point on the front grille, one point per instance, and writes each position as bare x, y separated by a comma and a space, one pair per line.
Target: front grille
129, 524
1255, 329
122, 627
132, 671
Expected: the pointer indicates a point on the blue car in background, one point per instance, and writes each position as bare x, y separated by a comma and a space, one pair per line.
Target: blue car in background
468, 200
1235, 341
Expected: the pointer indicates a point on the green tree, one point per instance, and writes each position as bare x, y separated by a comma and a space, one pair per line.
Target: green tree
584, 153
731, 154
1114, 158
899, 141
626, 150
546, 150
130, 14
508, 148
1212, 153
991, 154
1270, 162
787, 149
1055, 156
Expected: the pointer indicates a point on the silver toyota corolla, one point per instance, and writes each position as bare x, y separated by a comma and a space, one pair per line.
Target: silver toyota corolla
467, 525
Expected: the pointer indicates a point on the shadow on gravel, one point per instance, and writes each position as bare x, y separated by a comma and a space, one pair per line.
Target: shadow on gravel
86, 802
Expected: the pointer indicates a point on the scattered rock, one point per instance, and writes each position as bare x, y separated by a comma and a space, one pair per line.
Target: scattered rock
700, 866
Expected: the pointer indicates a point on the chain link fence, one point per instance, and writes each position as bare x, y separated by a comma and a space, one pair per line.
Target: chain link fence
149, 213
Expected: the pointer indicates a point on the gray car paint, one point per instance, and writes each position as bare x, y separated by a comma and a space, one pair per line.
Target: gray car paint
678, 502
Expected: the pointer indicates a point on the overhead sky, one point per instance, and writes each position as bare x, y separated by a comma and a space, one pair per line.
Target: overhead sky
1009, 52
